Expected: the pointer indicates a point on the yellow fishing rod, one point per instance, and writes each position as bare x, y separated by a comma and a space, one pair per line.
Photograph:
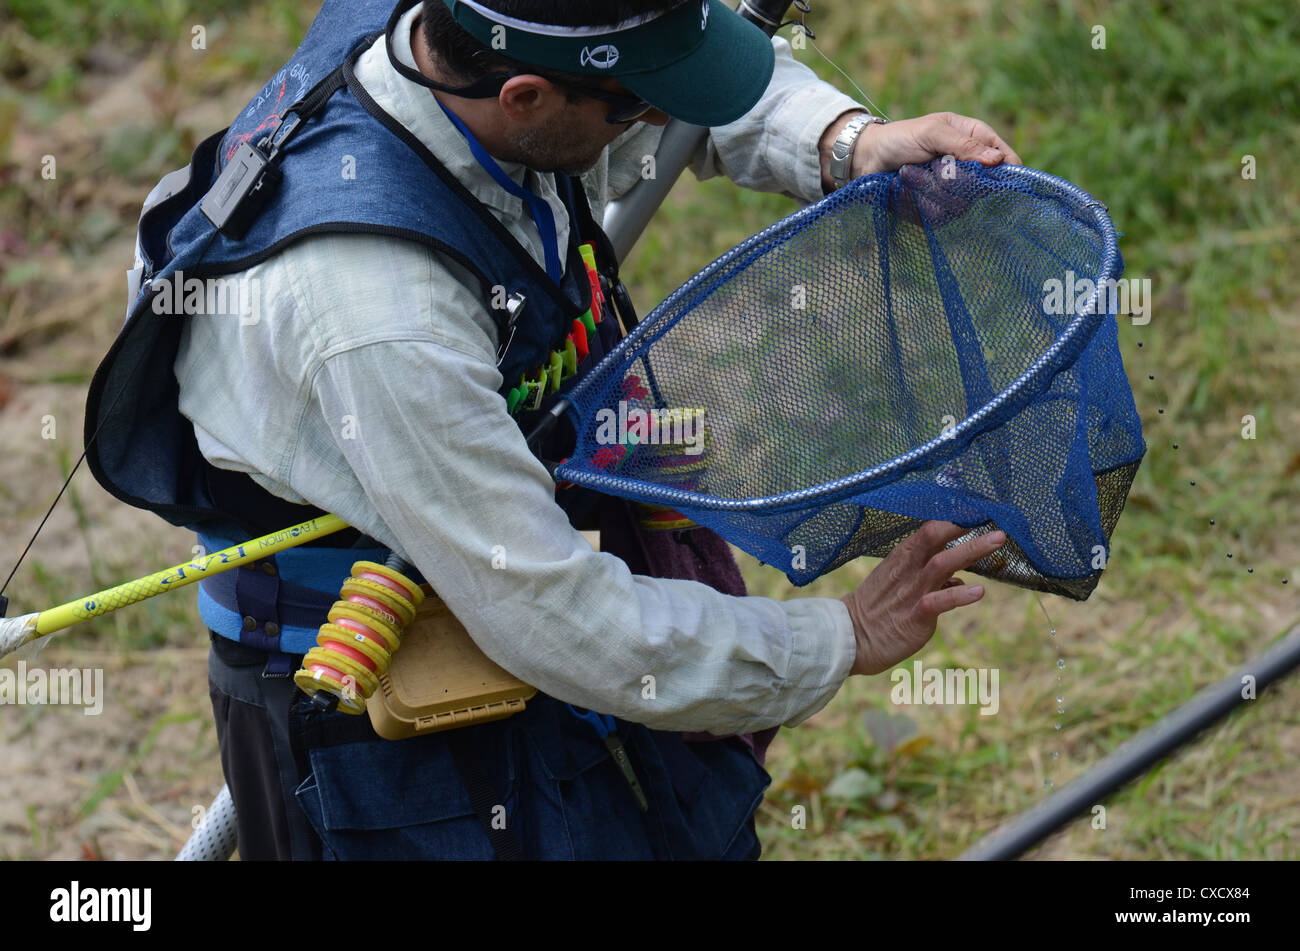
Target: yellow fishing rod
15, 632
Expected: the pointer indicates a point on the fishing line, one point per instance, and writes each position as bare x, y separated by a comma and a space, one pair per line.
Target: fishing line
32, 540
4, 603
802, 24
1048, 781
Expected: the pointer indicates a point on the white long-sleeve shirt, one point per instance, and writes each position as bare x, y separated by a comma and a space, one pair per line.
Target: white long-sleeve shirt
368, 387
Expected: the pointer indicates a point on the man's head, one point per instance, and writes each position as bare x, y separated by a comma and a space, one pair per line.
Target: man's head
555, 81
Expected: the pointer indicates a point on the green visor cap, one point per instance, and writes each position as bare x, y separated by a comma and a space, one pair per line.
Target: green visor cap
701, 63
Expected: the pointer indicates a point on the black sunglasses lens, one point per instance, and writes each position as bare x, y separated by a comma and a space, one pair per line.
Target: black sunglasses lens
622, 109
627, 110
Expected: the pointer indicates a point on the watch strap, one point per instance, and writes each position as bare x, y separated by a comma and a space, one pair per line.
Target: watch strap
845, 142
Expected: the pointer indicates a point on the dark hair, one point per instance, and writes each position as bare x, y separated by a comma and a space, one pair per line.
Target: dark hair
465, 58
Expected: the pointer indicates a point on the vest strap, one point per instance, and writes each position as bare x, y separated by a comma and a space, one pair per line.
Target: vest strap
473, 774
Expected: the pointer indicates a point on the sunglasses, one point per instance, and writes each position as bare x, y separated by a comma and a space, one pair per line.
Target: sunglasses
622, 108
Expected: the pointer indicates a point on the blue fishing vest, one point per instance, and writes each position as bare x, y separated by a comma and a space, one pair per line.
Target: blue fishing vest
139, 446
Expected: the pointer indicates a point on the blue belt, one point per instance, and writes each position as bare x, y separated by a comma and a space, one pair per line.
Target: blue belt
279, 603
282, 609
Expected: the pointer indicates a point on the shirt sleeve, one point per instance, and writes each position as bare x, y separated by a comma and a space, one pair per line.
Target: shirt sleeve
449, 482
772, 148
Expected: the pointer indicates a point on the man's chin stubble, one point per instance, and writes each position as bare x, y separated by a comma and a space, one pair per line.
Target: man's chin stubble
538, 153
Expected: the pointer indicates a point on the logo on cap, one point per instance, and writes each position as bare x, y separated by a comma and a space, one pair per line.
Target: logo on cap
704, 9
602, 57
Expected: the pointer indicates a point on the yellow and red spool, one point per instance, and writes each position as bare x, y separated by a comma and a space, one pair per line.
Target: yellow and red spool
355, 647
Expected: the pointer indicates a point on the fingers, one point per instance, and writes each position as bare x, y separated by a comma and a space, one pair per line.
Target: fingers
946, 599
1010, 153
946, 138
932, 537
935, 197
935, 535
973, 139
951, 560
983, 132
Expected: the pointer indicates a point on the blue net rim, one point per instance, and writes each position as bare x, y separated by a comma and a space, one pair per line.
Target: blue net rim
1061, 354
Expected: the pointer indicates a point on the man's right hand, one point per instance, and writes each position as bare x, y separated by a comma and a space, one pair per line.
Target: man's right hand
889, 146
896, 609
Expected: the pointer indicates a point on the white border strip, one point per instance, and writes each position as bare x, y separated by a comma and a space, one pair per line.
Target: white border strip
547, 29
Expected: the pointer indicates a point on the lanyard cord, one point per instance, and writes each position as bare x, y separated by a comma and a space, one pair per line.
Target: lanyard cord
603, 722
542, 215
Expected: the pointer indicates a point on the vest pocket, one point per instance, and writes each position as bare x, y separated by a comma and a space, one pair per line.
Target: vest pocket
715, 787
702, 795
563, 796
404, 799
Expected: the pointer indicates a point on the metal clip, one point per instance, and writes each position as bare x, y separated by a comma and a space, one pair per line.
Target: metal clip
514, 307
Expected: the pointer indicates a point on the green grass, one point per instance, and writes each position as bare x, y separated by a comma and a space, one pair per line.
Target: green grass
51, 48
1155, 126
108, 781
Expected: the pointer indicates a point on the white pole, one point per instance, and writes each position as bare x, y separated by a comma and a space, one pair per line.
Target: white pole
214, 839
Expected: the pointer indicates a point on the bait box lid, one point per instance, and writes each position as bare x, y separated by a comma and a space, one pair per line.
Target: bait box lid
440, 679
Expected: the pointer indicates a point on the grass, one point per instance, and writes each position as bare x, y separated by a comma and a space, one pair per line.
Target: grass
1128, 124
1156, 125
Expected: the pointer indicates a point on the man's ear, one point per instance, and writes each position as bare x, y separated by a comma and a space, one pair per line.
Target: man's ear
526, 97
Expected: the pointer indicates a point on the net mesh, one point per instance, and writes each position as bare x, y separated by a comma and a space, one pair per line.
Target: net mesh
937, 343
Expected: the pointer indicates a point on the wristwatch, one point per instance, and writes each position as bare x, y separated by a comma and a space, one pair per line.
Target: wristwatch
842, 150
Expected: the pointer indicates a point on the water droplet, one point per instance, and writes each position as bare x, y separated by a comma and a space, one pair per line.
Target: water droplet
1250, 571
1284, 581
1175, 445
1193, 482
1060, 700
1060, 663
1139, 344
1060, 708
1150, 377
1047, 783
1058, 726
1211, 521
1053, 632
1056, 754
1161, 412
1229, 554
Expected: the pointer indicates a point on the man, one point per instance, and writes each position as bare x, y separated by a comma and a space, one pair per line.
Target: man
375, 384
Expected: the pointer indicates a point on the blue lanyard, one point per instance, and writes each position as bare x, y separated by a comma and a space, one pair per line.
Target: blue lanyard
603, 722
542, 215
605, 726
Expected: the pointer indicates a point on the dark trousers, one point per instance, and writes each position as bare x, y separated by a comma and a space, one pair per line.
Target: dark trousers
257, 757
327, 787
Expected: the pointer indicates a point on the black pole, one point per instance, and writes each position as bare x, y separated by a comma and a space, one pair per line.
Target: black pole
626, 217
1136, 755
767, 15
